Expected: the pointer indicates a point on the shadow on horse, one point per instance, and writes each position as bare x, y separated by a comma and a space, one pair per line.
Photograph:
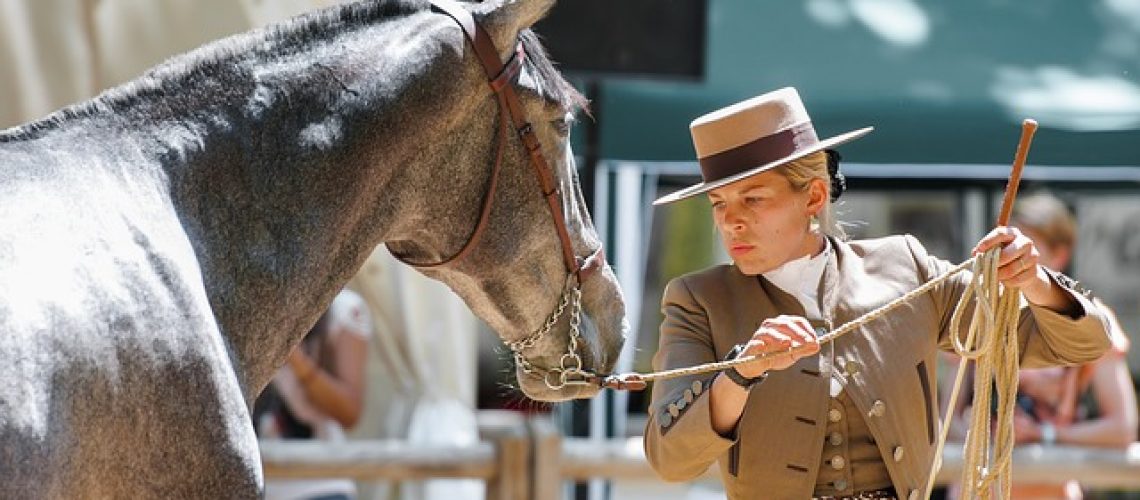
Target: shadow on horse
165, 245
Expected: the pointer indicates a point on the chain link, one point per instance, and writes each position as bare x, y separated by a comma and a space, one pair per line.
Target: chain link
569, 371
519, 345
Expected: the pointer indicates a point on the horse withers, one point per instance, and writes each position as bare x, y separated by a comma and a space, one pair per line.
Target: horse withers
165, 245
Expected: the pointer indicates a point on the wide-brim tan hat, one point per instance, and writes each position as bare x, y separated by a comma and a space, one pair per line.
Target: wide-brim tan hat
751, 137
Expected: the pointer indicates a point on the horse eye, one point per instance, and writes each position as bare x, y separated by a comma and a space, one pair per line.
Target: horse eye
563, 125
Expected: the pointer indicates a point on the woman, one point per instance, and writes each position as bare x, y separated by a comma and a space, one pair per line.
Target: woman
855, 418
1093, 404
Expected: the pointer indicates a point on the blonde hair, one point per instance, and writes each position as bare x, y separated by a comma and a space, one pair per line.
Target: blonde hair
799, 173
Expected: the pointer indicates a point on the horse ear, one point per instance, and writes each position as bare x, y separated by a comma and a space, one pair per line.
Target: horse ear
506, 18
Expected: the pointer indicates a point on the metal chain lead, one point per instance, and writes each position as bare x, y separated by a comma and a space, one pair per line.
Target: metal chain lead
519, 345
570, 364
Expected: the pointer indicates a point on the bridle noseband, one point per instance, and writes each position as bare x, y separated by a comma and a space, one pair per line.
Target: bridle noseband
501, 78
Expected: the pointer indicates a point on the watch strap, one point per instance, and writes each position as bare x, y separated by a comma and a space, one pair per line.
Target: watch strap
734, 375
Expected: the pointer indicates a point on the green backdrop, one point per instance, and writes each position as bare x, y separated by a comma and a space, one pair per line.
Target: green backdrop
942, 82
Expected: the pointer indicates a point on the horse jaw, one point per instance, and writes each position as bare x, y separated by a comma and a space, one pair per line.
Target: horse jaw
602, 329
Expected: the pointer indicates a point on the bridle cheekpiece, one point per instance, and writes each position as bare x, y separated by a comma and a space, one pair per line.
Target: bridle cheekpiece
501, 78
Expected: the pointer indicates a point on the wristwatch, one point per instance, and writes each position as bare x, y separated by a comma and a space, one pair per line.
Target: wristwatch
735, 376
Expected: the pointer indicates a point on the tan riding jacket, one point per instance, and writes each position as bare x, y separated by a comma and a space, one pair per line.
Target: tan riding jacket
780, 437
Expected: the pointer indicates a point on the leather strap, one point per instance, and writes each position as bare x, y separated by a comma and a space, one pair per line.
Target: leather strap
500, 76
736, 376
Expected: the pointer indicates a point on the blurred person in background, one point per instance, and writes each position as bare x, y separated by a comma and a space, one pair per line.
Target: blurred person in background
319, 393
857, 420
1093, 404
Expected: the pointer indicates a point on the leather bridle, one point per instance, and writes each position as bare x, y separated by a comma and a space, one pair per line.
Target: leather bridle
501, 78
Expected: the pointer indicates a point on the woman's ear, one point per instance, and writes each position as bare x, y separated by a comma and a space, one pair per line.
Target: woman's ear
817, 196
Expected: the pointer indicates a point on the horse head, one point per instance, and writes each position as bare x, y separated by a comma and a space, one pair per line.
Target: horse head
526, 258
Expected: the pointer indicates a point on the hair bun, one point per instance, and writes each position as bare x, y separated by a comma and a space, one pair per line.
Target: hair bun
838, 181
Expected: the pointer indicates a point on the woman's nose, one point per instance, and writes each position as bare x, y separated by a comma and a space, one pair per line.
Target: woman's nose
733, 218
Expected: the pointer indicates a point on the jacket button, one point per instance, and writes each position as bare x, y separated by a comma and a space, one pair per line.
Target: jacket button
839, 484
819, 332
835, 415
688, 397
665, 419
852, 368
878, 409
835, 439
898, 453
681, 404
673, 410
698, 387
837, 462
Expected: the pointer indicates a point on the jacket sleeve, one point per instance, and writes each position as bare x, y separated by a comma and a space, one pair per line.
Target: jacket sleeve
1045, 337
680, 442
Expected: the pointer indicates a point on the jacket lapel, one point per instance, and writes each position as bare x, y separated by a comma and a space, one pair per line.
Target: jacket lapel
829, 285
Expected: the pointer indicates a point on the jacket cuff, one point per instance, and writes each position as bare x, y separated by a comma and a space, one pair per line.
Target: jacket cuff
1083, 334
685, 443
1081, 295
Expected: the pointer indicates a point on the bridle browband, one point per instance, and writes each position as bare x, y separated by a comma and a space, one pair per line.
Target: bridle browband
501, 77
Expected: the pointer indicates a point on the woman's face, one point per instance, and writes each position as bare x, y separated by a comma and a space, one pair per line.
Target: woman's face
764, 222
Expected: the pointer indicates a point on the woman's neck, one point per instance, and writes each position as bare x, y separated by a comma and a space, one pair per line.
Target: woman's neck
814, 244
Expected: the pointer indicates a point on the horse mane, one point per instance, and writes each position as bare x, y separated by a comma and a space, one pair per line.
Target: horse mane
272, 40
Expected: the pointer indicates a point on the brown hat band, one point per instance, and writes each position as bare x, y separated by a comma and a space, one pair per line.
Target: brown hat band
762, 151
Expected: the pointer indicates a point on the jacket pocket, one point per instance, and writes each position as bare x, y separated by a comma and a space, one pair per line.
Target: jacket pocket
924, 381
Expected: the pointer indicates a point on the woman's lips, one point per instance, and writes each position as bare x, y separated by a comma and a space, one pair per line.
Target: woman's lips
740, 249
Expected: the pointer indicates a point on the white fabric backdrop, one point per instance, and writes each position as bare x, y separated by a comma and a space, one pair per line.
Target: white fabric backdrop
422, 369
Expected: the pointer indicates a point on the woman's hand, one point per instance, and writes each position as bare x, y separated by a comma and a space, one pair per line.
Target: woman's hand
788, 338
785, 339
1017, 265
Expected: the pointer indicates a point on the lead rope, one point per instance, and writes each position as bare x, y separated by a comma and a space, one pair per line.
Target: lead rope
642, 378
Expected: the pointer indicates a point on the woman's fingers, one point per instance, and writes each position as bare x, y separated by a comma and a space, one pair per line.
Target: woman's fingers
999, 236
782, 341
1017, 262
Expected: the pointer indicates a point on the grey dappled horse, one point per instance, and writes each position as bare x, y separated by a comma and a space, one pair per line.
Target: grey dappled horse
163, 246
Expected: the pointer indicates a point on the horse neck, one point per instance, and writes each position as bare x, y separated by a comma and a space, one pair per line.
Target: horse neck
284, 193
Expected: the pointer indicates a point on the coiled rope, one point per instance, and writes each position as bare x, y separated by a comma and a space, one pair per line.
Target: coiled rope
991, 342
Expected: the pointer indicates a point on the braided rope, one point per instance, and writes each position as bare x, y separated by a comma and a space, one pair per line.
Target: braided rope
823, 339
